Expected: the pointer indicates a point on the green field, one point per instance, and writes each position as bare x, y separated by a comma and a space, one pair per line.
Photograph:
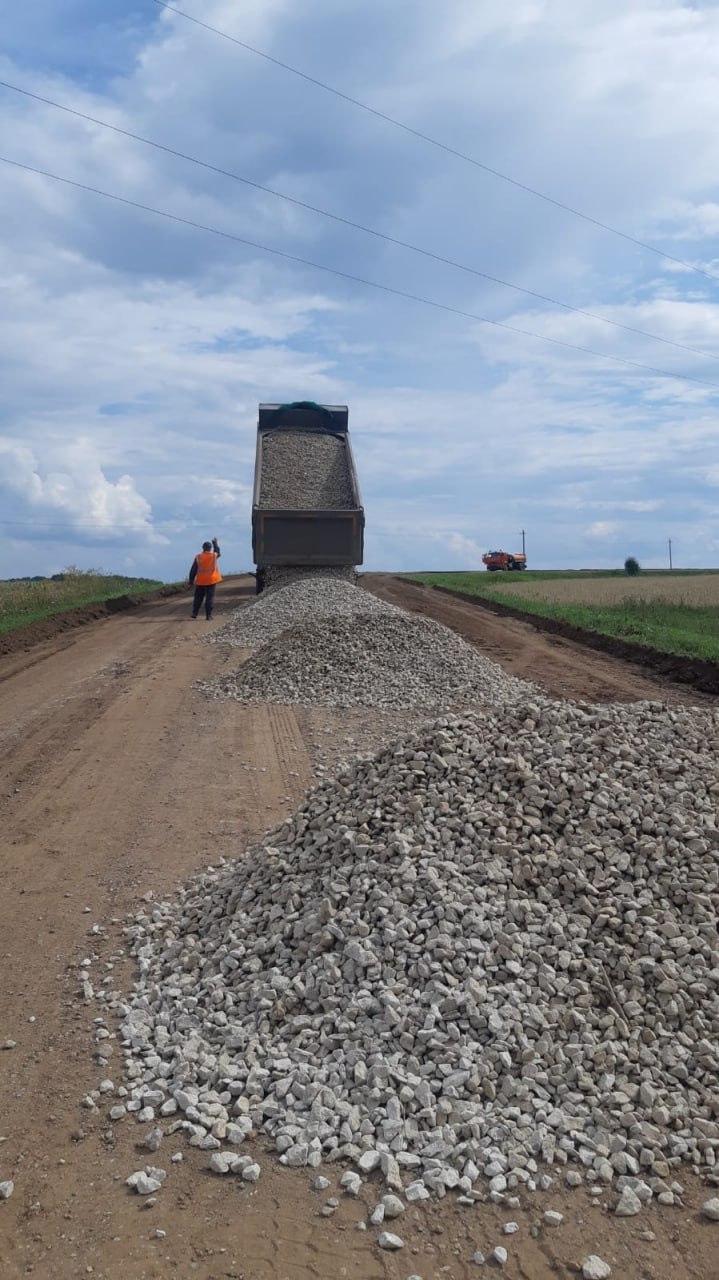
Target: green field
24, 600
675, 612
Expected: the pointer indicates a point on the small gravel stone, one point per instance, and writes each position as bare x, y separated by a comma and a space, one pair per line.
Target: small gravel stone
594, 1268
320, 1184
479, 1258
629, 1204
369, 1161
9, 1044
510, 1228
351, 1183
710, 1209
552, 1218
6, 1190
153, 1139
388, 1240
251, 1172
393, 1206
499, 1255
143, 1183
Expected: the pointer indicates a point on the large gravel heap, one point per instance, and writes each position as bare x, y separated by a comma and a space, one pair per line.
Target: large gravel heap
490, 947
386, 659
298, 599
304, 471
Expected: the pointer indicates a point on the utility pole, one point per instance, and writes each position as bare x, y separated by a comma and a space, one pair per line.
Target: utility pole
670, 554
524, 551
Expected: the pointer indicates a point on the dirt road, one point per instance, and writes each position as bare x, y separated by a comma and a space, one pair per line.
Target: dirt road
117, 778
562, 667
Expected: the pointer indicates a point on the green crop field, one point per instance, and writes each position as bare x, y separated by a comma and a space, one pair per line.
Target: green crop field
676, 612
24, 600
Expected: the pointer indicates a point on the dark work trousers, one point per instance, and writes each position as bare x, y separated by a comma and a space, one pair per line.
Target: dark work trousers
208, 595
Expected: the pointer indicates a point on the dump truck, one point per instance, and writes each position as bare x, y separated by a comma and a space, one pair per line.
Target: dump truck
496, 561
306, 506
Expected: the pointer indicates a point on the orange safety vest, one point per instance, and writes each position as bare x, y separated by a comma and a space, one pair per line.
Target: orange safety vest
207, 572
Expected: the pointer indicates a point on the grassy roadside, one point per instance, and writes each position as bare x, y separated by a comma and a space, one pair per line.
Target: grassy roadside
670, 626
28, 600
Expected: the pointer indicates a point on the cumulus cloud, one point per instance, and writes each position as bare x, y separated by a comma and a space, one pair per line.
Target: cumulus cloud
72, 485
152, 342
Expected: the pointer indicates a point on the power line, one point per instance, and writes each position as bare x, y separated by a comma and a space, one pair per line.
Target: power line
357, 226
346, 275
434, 142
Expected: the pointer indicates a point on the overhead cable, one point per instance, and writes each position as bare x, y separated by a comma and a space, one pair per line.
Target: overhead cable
346, 275
435, 142
357, 226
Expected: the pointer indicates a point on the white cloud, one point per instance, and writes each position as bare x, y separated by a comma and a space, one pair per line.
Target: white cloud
153, 343
603, 529
464, 549
73, 485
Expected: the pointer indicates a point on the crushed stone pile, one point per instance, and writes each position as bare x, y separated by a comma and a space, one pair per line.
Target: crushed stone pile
305, 471
387, 659
280, 575
488, 949
297, 600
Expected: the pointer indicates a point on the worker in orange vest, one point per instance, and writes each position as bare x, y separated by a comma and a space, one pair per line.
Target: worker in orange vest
205, 575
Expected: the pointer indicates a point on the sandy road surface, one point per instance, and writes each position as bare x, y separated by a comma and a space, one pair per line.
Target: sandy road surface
117, 778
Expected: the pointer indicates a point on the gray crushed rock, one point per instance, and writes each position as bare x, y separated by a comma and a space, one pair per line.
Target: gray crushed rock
281, 575
305, 471
304, 598
388, 1240
490, 947
391, 660
595, 1268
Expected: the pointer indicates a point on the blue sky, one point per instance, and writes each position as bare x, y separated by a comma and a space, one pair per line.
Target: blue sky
134, 350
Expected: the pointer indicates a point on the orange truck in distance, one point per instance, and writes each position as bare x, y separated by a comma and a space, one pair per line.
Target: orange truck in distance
499, 560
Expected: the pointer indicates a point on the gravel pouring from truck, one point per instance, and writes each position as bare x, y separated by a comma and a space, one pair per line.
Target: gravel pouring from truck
306, 510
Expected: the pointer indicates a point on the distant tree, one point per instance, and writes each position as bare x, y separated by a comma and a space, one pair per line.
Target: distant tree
632, 566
